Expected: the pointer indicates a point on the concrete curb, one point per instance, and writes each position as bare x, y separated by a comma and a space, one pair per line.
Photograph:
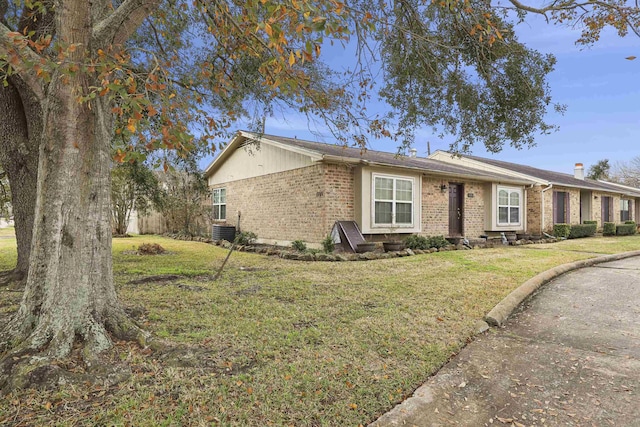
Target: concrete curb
499, 314
424, 395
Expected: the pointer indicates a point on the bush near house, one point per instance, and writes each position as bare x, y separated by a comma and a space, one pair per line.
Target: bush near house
561, 230
590, 222
609, 229
425, 242
328, 245
626, 229
582, 230
416, 242
246, 238
299, 245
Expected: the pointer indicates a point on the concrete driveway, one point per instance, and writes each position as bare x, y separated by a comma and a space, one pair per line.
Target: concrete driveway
569, 357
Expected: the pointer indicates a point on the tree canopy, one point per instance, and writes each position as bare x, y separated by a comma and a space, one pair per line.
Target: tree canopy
79, 77
599, 170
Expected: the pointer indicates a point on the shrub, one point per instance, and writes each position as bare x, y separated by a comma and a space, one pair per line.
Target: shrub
609, 229
328, 244
438, 242
150, 249
630, 222
561, 230
246, 238
416, 242
626, 229
299, 245
590, 222
582, 230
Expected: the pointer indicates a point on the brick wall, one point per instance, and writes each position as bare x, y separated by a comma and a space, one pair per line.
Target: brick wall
297, 204
435, 208
615, 208
474, 209
574, 206
534, 210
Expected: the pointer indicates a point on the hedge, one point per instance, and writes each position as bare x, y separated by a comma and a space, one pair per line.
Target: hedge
425, 242
582, 230
626, 229
561, 230
416, 242
609, 229
590, 222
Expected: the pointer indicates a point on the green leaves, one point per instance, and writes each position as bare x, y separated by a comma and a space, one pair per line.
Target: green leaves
464, 74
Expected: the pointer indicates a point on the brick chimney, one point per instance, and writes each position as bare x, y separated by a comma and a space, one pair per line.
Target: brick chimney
578, 172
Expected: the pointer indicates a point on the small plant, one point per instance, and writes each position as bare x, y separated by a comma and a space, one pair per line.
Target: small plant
328, 244
417, 242
438, 242
246, 238
609, 229
299, 245
150, 249
561, 230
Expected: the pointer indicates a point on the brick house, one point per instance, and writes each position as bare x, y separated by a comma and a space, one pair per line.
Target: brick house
287, 189
559, 197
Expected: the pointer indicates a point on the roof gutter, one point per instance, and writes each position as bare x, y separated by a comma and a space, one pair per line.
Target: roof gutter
542, 216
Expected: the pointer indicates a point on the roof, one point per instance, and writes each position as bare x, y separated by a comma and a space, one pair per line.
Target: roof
340, 153
559, 178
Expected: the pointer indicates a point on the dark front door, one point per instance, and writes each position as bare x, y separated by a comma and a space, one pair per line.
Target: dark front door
456, 192
606, 209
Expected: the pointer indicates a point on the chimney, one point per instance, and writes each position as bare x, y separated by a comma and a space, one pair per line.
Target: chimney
578, 172
413, 152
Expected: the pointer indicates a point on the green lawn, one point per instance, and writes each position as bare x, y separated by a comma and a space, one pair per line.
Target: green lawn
278, 342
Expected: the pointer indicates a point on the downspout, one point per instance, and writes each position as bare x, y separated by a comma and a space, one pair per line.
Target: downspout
542, 216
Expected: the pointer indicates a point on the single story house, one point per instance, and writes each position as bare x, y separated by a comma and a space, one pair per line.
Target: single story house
285, 189
559, 197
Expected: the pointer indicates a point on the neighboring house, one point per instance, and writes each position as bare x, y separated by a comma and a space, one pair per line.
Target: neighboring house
284, 189
558, 197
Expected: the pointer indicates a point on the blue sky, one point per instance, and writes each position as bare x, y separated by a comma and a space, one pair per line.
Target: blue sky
599, 86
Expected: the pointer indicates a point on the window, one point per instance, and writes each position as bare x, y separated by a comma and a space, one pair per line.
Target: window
624, 210
509, 208
561, 207
393, 201
220, 204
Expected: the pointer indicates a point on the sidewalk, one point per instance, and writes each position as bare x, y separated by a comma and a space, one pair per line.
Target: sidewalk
570, 356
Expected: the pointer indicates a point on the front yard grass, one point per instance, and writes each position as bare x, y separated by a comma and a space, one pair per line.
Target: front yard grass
277, 342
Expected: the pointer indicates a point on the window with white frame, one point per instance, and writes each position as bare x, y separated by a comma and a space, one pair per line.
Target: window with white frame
624, 210
392, 201
509, 206
220, 204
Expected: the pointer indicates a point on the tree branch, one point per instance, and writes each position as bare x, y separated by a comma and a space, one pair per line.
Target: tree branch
25, 56
118, 27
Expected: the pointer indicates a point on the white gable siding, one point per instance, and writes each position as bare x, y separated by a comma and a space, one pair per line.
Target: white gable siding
256, 160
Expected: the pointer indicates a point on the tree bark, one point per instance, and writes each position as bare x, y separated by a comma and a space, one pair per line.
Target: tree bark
69, 294
20, 132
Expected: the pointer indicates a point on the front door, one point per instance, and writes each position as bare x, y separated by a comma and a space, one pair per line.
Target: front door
456, 193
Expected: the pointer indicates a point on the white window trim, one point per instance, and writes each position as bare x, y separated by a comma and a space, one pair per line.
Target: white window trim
393, 202
219, 204
509, 190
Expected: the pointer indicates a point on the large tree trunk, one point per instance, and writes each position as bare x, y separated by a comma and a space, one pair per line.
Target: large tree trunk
20, 132
69, 293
